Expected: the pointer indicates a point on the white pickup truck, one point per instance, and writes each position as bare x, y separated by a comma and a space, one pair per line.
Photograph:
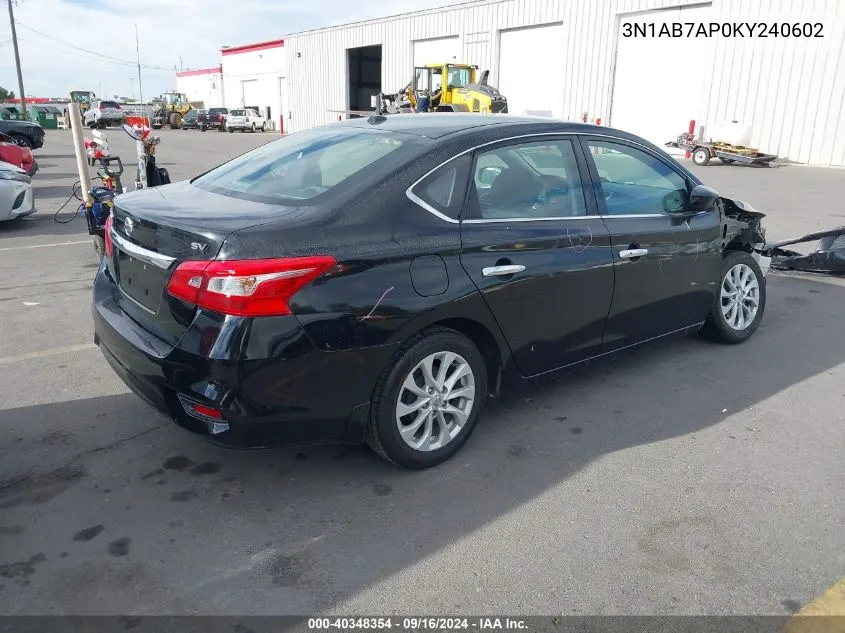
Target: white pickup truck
245, 119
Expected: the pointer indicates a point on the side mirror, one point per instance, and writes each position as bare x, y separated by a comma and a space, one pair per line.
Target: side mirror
702, 199
486, 175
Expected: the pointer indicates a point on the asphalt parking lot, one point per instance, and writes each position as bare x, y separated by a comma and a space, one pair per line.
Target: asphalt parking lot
689, 478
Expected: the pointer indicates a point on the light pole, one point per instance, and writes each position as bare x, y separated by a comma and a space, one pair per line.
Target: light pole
17, 58
138, 53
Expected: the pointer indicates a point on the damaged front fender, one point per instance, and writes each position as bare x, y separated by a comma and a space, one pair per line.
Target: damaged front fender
742, 226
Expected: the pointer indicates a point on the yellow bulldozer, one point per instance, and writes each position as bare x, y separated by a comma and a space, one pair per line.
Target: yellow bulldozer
171, 107
440, 88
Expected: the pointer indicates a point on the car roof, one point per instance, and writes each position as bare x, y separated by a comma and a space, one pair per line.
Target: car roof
439, 124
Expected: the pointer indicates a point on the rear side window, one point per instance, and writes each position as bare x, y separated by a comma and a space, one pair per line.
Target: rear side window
443, 190
305, 165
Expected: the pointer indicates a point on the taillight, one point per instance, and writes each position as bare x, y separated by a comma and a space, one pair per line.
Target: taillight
219, 117
109, 245
249, 287
102, 107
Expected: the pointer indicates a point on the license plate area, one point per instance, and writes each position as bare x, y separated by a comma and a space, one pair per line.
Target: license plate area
140, 281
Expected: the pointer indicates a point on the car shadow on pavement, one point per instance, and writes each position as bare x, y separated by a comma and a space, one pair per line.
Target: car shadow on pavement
119, 511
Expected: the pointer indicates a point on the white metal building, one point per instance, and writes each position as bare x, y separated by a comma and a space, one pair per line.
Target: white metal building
571, 58
254, 77
204, 85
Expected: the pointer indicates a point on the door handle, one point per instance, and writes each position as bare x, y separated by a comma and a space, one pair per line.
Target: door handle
631, 253
495, 271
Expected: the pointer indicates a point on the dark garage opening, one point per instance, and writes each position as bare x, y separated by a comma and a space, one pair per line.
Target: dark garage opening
364, 72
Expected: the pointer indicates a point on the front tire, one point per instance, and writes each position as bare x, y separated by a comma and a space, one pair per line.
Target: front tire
22, 141
740, 302
426, 404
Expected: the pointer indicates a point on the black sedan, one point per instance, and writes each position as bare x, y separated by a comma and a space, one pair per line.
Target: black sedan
376, 279
189, 121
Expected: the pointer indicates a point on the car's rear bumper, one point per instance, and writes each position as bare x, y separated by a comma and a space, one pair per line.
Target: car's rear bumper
273, 387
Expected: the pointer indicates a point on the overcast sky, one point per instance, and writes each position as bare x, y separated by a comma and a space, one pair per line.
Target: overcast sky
167, 29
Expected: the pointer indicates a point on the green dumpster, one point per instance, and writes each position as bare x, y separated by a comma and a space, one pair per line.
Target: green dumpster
44, 117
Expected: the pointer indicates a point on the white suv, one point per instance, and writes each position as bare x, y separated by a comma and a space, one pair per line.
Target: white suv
103, 113
245, 119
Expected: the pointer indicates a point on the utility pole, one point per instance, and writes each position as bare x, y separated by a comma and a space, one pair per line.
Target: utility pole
17, 58
138, 53
132, 83
181, 68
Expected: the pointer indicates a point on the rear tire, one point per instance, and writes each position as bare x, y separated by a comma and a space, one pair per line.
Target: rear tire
175, 120
740, 301
99, 247
727, 161
435, 425
252, 129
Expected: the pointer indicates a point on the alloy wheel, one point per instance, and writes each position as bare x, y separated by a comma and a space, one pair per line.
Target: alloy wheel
740, 297
435, 401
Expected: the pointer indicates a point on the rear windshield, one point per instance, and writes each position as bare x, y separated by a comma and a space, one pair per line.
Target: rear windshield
217, 111
238, 113
109, 104
305, 165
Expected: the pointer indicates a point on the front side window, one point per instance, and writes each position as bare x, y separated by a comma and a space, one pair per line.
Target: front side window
458, 77
634, 182
302, 166
528, 180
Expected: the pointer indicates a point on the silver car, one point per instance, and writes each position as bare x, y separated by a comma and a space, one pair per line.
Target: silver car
245, 119
103, 113
16, 199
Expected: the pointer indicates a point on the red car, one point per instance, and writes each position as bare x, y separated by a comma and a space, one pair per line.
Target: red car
18, 156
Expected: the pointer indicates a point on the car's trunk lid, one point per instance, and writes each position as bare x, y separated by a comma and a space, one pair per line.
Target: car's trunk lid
155, 229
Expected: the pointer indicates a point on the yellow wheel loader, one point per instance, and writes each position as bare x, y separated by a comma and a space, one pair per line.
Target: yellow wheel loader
171, 107
440, 88
453, 88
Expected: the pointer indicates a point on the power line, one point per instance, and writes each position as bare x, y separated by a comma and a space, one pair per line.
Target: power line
83, 55
98, 54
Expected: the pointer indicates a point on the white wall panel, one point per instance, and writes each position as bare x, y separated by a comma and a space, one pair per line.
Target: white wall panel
789, 90
658, 85
251, 78
205, 86
436, 51
532, 86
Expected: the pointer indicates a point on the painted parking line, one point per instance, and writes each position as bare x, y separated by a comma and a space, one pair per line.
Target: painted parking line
68, 349
26, 248
825, 614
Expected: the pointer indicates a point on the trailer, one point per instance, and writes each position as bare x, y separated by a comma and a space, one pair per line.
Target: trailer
702, 151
